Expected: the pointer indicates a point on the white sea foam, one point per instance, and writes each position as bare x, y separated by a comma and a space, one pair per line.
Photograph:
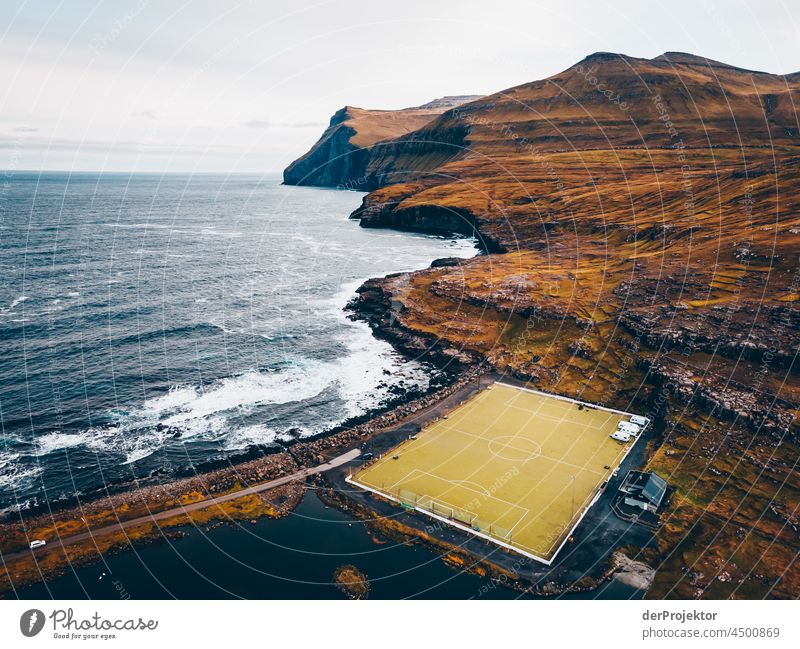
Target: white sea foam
341, 374
131, 445
225, 234
14, 474
175, 398
135, 226
17, 301
361, 378
195, 412
7, 458
58, 441
250, 435
141, 449
252, 389
369, 361
207, 428
211, 412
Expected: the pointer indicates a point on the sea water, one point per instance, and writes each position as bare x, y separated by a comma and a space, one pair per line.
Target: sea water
150, 323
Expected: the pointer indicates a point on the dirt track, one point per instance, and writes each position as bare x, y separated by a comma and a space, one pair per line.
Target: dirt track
203, 504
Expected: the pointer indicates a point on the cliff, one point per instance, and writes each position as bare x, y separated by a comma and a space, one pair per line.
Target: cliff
340, 156
641, 219
606, 101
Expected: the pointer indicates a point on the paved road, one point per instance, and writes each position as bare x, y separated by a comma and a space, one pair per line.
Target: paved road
185, 509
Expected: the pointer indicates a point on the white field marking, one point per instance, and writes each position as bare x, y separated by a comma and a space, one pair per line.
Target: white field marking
565, 412
560, 398
519, 547
538, 412
592, 494
540, 415
526, 552
564, 489
513, 448
444, 505
603, 476
474, 484
505, 502
532, 454
408, 478
403, 479
578, 522
597, 495
486, 439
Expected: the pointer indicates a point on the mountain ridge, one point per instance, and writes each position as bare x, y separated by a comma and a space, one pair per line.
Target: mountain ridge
605, 101
640, 223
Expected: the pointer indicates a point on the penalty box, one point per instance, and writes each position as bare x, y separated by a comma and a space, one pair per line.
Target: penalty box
513, 465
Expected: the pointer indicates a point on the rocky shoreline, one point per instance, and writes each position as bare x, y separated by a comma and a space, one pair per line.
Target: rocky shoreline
20, 527
375, 305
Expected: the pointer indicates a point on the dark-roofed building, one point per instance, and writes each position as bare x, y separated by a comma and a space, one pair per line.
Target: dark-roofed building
640, 492
654, 491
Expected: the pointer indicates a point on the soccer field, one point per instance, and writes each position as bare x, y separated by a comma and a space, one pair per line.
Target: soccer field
513, 465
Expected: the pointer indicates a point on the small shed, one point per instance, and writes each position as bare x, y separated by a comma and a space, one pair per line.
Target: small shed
647, 493
641, 498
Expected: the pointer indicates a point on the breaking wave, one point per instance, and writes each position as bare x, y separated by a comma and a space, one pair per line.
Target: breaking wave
203, 319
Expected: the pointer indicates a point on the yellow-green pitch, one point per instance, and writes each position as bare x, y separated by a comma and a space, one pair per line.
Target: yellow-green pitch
514, 465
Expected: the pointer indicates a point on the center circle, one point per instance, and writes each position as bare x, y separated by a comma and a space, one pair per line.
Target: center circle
514, 449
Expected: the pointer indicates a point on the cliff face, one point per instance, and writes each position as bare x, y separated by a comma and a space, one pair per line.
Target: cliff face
606, 101
341, 155
642, 224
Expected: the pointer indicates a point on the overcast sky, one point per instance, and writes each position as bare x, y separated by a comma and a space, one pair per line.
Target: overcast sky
162, 85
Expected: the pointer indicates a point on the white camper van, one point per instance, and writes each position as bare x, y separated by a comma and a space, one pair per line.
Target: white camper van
621, 436
639, 420
628, 427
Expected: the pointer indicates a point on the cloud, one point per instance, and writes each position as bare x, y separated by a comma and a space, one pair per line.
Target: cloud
262, 123
303, 124
149, 114
80, 146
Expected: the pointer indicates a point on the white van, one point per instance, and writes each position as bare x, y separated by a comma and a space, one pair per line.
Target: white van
37, 544
621, 436
628, 427
639, 420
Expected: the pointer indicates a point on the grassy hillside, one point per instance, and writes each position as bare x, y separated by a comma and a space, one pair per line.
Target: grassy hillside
642, 224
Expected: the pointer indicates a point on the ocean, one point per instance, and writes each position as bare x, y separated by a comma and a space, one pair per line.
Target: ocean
153, 323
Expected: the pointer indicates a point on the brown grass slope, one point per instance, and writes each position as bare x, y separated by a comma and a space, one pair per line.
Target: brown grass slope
339, 155
606, 101
643, 220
